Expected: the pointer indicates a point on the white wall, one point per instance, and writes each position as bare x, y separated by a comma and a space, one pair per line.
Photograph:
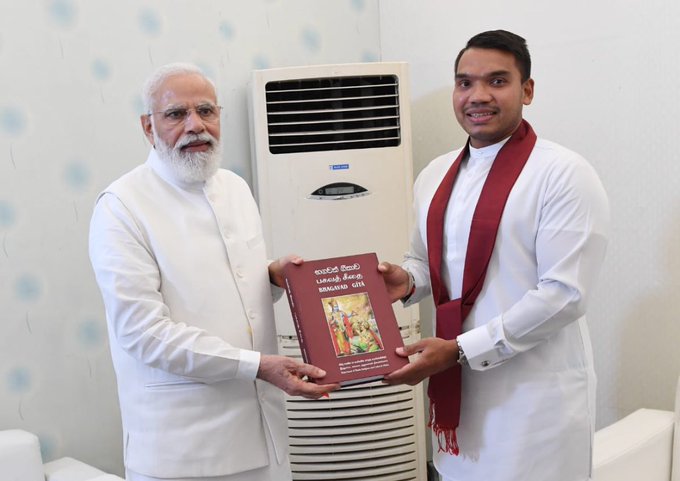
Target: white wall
606, 86
70, 75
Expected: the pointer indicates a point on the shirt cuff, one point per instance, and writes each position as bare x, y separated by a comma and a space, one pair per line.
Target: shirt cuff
481, 349
248, 364
422, 285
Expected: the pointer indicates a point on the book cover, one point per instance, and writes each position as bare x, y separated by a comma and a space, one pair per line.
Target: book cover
344, 318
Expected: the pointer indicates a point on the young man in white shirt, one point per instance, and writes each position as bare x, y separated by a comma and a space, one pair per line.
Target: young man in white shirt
512, 385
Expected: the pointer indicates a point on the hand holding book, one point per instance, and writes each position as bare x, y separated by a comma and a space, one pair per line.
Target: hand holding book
396, 280
276, 275
287, 374
433, 355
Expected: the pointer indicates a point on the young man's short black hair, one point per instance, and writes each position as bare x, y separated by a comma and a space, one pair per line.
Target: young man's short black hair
505, 41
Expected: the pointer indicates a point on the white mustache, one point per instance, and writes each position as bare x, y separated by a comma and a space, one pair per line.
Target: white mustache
189, 138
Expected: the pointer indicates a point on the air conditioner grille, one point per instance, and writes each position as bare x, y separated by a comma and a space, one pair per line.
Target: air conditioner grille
337, 113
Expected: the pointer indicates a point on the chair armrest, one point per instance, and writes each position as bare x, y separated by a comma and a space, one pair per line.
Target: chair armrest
20, 458
69, 469
637, 447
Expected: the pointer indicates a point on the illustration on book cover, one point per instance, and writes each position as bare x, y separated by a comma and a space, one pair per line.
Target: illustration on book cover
352, 325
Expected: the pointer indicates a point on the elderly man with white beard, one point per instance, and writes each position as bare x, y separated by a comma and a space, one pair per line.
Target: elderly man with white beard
177, 249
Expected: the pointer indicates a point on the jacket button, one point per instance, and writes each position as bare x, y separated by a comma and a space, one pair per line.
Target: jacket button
485, 363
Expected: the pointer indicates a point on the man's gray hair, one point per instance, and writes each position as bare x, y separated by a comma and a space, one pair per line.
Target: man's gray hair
161, 74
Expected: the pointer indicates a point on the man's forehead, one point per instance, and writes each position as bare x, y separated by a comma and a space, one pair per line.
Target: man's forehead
486, 62
185, 87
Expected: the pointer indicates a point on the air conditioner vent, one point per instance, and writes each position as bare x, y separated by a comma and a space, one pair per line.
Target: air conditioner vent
337, 113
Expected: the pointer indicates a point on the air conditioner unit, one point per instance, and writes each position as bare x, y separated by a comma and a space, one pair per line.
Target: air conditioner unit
332, 173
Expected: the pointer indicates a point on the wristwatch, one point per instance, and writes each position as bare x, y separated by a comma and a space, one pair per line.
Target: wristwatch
462, 358
411, 287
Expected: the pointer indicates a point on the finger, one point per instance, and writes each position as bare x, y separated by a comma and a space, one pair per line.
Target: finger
396, 377
311, 371
331, 387
315, 391
405, 376
311, 395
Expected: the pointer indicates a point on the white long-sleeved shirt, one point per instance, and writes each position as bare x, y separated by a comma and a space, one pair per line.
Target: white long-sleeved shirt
528, 397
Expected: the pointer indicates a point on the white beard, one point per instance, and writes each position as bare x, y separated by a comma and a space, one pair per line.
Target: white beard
190, 167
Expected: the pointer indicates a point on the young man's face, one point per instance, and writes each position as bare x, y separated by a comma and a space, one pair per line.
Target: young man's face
489, 94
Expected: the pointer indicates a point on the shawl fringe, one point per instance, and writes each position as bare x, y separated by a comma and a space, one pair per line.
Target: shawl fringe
446, 435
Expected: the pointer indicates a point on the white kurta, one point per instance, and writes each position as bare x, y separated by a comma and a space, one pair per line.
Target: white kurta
528, 397
183, 273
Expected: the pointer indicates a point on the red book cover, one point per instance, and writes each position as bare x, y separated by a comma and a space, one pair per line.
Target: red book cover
344, 318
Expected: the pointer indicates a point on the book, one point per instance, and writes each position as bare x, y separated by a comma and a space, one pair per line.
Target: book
344, 319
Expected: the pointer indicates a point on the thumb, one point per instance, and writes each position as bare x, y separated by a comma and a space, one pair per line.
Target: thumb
410, 349
384, 267
295, 259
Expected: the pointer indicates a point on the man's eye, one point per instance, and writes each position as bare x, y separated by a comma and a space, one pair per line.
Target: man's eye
175, 114
205, 111
498, 81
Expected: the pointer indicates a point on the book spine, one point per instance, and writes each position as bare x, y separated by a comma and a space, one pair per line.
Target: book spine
296, 322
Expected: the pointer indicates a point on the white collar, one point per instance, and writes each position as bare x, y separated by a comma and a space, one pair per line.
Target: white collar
490, 151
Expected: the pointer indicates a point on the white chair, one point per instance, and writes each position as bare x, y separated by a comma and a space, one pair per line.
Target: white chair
643, 446
20, 460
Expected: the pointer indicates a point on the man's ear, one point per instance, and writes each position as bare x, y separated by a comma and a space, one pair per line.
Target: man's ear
528, 91
145, 119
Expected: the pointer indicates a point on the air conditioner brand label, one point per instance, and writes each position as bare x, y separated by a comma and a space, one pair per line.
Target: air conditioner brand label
339, 166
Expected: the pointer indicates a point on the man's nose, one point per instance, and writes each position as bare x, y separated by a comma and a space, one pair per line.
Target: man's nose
193, 123
480, 92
